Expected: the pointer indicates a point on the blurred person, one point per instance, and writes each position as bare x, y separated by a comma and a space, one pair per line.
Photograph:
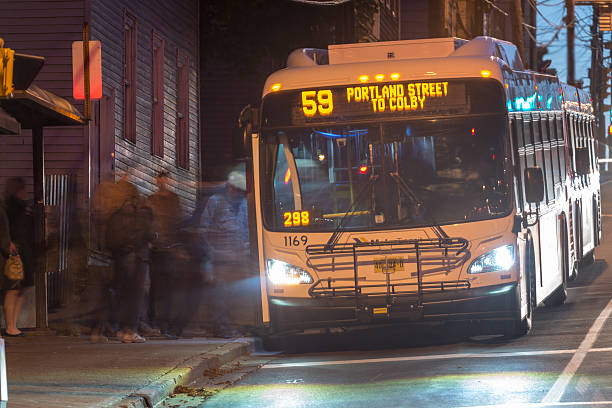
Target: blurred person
226, 234
6, 246
128, 234
167, 255
103, 286
21, 229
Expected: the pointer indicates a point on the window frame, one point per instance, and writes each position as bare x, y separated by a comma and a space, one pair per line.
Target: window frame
183, 63
157, 90
130, 59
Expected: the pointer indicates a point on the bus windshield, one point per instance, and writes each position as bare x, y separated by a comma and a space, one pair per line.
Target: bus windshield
396, 174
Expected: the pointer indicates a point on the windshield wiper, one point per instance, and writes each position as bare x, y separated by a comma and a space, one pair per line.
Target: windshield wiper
409, 191
333, 240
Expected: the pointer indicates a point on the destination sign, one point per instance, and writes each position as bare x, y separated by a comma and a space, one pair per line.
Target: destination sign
381, 100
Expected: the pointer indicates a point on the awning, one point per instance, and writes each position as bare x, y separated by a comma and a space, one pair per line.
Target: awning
8, 124
37, 107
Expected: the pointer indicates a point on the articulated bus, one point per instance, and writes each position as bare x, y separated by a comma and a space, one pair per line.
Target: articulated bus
418, 181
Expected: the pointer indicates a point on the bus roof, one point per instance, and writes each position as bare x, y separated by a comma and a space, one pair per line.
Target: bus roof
424, 59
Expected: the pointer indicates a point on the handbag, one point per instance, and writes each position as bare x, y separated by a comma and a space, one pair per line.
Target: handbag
13, 269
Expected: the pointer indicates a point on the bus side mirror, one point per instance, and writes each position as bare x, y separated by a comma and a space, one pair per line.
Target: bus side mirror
583, 165
248, 121
534, 184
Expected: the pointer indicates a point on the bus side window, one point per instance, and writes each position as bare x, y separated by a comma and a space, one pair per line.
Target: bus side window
518, 146
571, 141
590, 142
585, 144
593, 144
539, 152
528, 137
561, 150
548, 161
554, 149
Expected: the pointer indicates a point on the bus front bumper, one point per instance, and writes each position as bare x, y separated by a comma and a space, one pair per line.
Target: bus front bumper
499, 302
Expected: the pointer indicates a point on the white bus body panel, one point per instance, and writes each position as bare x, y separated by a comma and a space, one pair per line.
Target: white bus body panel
398, 50
483, 236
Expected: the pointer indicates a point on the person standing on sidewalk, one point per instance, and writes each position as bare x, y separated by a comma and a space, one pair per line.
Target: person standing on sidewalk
226, 233
6, 246
21, 227
165, 276
128, 235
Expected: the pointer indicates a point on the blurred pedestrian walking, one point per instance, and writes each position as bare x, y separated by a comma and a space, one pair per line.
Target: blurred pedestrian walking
21, 229
103, 289
128, 235
6, 246
226, 233
167, 256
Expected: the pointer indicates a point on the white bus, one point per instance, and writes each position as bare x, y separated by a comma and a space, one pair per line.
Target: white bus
419, 180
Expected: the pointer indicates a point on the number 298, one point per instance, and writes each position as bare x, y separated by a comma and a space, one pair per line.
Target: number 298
296, 218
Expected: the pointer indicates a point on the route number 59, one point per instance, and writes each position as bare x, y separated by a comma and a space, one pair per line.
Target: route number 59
317, 101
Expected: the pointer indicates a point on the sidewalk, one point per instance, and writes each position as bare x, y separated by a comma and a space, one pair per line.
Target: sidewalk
50, 371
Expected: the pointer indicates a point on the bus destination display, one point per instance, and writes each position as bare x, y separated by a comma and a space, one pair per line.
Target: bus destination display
361, 101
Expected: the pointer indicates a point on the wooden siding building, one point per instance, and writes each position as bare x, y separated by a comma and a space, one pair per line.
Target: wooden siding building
123, 136
150, 76
146, 122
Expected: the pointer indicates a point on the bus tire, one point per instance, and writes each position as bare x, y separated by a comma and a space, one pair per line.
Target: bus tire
522, 325
588, 259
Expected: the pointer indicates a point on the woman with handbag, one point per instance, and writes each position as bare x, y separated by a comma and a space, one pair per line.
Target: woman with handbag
21, 227
6, 246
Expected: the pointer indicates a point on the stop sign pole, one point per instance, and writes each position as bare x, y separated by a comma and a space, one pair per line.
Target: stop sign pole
86, 68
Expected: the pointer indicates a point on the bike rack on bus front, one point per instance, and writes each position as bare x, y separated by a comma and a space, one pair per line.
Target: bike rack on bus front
439, 254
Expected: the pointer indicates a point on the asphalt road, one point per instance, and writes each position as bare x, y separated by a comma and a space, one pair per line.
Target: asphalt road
565, 361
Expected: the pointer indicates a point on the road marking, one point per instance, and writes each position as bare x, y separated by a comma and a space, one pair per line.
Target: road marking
557, 390
543, 404
433, 357
605, 182
421, 358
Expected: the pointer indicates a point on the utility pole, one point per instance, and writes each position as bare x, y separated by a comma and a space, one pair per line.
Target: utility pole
570, 22
517, 29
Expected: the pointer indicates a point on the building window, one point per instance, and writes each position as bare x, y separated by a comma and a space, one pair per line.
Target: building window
182, 110
130, 32
157, 139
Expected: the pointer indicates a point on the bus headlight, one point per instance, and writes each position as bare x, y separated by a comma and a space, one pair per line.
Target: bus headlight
498, 260
282, 273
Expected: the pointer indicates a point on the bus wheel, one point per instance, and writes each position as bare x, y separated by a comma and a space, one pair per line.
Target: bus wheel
588, 259
522, 326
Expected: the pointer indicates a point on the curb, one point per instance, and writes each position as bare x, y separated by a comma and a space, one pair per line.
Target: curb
185, 373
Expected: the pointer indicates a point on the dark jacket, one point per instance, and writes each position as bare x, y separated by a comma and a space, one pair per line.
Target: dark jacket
21, 227
5, 239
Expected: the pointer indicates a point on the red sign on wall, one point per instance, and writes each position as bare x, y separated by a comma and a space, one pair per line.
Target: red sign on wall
95, 70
